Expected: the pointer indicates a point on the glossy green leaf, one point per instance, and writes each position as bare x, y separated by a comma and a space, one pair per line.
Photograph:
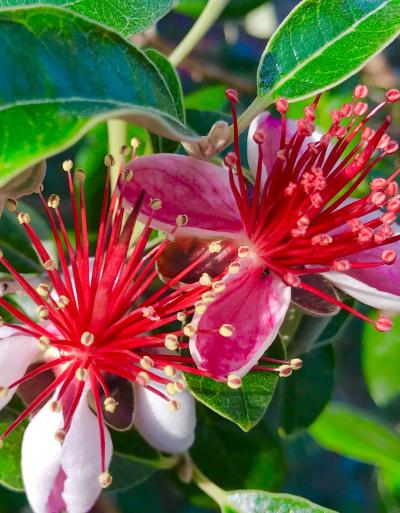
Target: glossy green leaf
380, 363
321, 43
357, 435
10, 457
75, 74
260, 465
256, 501
305, 394
245, 406
125, 16
234, 9
127, 473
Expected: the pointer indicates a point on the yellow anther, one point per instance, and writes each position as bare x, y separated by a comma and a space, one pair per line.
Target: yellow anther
11, 205
155, 204
171, 342
67, 165
208, 297
200, 307
181, 220
110, 404
44, 343
234, 268
59, 435
43, 289
171, 388
53, 201
42, 312
179, 386
87, 338
1, 443
205, 280
226, 330
215, 246
142, 379
55, 406
79, 175
1, 321
189, 330
24, 218
1, 254
181, 316
124, 150
50, 265
135, 143
146, 362
169, 371
3, 391
218, 286
173, 405
127, 174
105, 479
284, 371
243, 252
81, 374
109, 160
296, 363
62, 301
234, 381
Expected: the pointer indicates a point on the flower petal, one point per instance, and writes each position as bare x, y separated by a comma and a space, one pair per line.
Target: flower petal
188, 186
378, 286
59, 477
166, 430
81, 460
41, 456
255, 304
17, 352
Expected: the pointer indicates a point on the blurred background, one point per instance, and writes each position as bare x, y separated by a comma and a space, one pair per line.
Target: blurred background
357, 367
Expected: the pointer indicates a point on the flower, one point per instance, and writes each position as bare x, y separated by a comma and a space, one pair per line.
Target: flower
292, 233
101, 324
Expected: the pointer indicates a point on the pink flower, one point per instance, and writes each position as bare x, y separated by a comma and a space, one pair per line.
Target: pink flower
95, 326
295, 224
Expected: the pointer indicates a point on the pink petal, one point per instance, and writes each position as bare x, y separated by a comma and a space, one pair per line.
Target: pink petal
17, 352
166, 430
378, 286
64, 475
255, 304
187, 186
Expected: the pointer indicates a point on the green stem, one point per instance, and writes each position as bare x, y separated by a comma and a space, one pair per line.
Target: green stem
207, 18
117, 133
208, 487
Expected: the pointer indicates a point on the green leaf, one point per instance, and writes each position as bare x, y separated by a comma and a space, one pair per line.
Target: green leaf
305, 394
76, 74
235, 8
260, 465
10, 456
321, 43
245, 406
357, 435
125, 16
380, 363
256, 501
211, 98
134, 460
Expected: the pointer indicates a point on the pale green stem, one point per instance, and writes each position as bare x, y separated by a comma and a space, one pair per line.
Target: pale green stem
208, 487
117, 133
206, 19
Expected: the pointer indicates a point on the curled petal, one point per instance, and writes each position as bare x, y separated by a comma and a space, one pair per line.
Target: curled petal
185, 186
56, 476
17, 352
254, 304
166, 430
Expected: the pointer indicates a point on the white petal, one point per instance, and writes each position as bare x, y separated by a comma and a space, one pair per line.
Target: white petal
41, 455
81, 460
17, 352
166, 430
364, 293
